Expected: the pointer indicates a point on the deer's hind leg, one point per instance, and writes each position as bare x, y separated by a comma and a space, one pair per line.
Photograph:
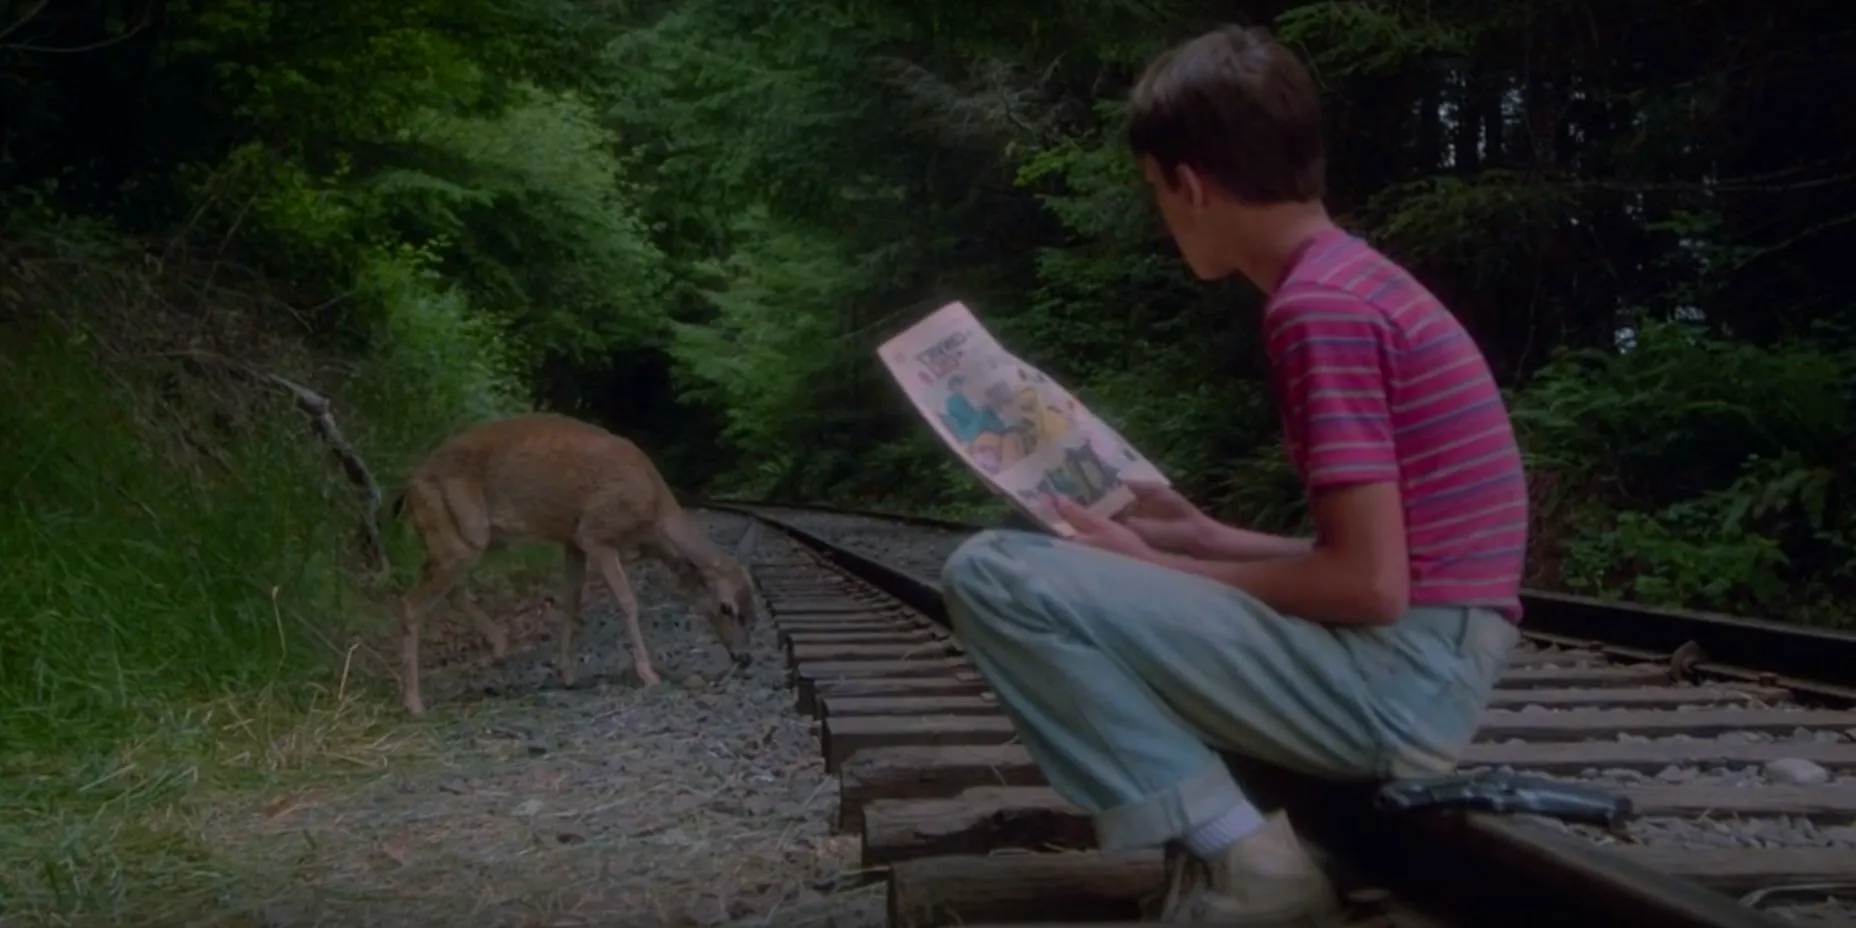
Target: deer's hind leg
613, 572
574, 567
462, 601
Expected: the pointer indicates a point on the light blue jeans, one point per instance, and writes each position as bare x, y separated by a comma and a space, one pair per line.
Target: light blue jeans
1123, 677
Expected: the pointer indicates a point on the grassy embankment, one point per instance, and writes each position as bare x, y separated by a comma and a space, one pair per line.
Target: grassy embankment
188, 627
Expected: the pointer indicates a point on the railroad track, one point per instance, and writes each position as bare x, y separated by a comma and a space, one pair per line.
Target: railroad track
1742, 776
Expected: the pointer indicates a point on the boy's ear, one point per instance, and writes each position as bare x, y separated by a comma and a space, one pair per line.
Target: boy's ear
1191, 186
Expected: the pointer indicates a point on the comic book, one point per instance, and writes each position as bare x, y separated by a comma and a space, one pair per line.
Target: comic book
1025, 435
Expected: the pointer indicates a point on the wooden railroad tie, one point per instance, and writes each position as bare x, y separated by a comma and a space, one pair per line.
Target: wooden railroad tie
843, 735
985, 818
962, 825
950, 860
933, 772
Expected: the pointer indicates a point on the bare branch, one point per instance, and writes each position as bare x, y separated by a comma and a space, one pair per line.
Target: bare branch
322, 419
31, 15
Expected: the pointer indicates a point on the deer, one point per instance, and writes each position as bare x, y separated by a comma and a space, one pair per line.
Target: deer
545, 477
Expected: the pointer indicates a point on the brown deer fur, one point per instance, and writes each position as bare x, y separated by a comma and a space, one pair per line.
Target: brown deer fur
545, 477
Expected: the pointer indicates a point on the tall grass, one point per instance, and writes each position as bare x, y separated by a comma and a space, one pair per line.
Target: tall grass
164, 615
129, 581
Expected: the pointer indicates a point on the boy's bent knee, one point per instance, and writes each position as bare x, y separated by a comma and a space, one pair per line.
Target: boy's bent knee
988, 573
979, 566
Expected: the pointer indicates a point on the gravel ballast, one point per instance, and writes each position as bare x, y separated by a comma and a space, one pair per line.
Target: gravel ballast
699, 802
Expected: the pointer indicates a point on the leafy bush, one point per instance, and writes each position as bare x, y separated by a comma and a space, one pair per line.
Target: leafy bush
1690, 468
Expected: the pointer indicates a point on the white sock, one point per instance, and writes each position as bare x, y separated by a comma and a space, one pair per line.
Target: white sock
1210, 840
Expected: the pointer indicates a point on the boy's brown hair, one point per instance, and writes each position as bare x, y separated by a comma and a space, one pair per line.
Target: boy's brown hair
1238, 107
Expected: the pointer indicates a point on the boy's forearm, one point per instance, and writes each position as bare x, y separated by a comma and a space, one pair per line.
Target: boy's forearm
1216, 541
1311, 585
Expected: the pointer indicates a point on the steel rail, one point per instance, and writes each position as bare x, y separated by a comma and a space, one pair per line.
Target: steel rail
1478, 868
1816, 663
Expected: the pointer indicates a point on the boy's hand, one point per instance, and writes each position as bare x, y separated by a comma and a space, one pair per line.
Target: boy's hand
1099, 532
1162, 518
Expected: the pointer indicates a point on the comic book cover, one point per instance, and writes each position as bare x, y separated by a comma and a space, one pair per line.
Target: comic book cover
1022, 432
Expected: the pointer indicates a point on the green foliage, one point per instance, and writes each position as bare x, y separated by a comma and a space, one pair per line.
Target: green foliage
1697, 468
696, 220
762, 373
132, 581
392, 203
1683, 553
437, 365
532, 208
1442, 217
1680, 396
1352, 39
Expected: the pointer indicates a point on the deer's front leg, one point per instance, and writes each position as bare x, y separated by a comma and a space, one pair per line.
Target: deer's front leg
607, 560
437, 578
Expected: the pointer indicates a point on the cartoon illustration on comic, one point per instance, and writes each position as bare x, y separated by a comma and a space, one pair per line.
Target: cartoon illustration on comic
1117, 453
1081, 475
1011, 421
1021, 430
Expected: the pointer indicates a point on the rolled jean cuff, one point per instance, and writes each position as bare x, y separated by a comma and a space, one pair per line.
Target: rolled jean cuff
1171, 813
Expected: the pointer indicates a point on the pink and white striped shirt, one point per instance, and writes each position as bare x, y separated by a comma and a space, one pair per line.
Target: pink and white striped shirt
1377, 381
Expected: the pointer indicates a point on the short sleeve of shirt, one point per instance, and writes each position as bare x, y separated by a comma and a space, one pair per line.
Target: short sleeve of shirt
1329, 352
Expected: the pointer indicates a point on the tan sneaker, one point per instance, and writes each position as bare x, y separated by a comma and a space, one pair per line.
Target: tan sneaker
1264, 881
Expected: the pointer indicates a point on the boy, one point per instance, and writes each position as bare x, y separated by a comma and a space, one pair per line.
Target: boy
1126, 655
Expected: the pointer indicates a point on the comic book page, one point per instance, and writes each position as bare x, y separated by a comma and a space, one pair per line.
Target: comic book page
1021, 431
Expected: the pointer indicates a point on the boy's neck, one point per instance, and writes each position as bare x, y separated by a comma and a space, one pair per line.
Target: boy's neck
1271, 235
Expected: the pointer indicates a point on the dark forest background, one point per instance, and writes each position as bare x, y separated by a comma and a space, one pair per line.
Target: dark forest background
693, 220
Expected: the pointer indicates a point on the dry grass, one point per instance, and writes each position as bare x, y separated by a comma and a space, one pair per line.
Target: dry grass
124, 839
